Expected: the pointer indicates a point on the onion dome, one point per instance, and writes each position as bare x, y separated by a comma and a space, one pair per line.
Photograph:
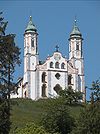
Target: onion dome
30, 27
75, 31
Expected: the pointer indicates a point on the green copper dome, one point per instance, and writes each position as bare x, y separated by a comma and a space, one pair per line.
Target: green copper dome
75, 31
30, 27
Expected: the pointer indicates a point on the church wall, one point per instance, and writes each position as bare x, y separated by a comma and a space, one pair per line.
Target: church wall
57, 57
49, 84
19, 91
33, 86
74, 82
54, 81
51, 81
78, 65
81, 83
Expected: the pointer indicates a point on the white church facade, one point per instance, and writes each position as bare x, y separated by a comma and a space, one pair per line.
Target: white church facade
45, 79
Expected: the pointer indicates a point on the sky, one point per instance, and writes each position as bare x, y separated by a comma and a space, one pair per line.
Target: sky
54, 21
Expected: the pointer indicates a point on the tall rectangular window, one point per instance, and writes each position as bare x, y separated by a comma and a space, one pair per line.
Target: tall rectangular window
32, 42
77, 45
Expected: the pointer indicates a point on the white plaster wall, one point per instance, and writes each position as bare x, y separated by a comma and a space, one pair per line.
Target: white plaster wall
51, 72
78, 66
25, 78
74, 80
82, 83
19, 95
32, 63
61, 60
72, 48
40, 82
33, 85
55, 81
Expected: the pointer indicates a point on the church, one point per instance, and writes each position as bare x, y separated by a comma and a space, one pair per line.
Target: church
44, 79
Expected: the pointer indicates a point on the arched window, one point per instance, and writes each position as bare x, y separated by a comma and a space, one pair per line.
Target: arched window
44, 90
57, 65
43, 77
51, 64
62, 65
57, 88
69, 79
25, 94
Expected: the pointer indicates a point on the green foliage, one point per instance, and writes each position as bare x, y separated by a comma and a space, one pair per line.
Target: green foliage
57, 118
70, 95
2, 25
9, 58
4, 103
95, 90
89, 120
31, 128
57, 115
26, 111
4, 117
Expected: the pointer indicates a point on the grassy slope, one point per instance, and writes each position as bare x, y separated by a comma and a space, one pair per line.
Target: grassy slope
25, 110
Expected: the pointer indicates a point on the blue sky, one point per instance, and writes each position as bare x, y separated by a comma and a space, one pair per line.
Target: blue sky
54, 21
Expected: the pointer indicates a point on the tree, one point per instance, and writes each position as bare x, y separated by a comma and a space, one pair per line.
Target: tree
92, 98
31, 128
57, 118
4, 117
77, 96
2, 25
96, 90
70, 95
89, 120
9, 58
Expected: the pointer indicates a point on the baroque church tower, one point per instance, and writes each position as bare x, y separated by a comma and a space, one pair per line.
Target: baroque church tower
30, 59
76, 56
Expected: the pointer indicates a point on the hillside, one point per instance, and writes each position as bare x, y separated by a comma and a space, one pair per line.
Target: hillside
25, 111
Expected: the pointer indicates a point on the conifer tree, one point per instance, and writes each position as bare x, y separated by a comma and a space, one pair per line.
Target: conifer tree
89, 119
96, 90
9, 58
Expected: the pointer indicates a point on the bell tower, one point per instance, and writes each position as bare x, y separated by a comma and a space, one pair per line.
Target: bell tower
30, 37
76, 55
30, 59
75, 43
